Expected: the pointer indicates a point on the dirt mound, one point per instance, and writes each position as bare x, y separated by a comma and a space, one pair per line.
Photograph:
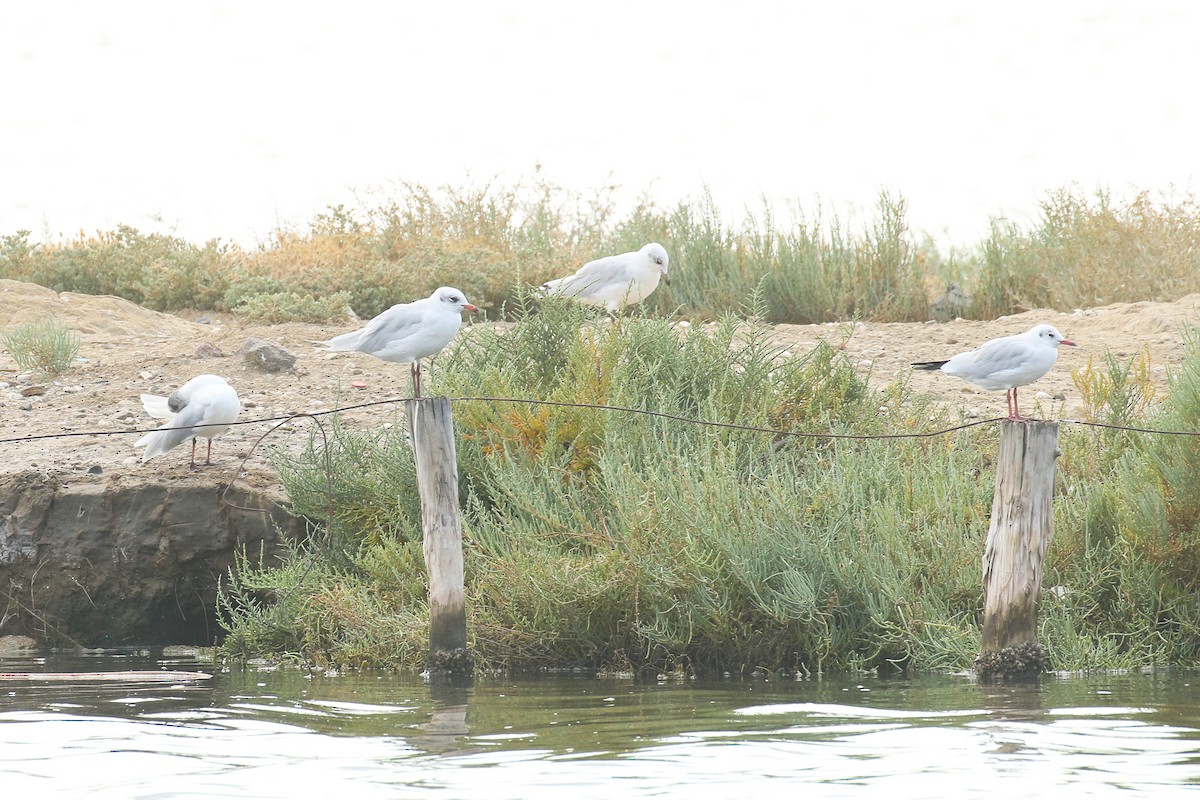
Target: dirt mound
94, 316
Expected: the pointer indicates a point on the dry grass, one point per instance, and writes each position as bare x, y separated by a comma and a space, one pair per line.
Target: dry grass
493, 241
1089, 252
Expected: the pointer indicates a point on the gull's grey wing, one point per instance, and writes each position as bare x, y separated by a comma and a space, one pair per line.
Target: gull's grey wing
1001, 354
1000, 363
610, 269
594, 275
181, 428
397, 323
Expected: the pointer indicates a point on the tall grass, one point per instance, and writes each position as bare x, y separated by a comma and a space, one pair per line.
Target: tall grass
1122, 574
1086, 252
611, 539
493, 240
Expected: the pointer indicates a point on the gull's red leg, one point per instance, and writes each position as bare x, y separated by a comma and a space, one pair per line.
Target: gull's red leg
1016, 406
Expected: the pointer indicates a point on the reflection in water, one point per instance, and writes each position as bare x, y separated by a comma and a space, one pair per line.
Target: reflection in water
1021, 700
262, 734
447, 720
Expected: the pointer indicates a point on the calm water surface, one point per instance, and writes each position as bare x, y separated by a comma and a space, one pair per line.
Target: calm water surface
279, 733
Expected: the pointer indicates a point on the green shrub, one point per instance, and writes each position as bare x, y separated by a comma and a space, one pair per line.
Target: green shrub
269, 301
1085, 253
493, 241
45, 347
607, 538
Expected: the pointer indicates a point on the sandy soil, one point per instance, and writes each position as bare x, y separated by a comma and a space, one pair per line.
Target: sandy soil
127, 350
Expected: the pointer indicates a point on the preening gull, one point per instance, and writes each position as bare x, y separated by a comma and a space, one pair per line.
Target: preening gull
204, 406
408, 332
1006, 363
615, 281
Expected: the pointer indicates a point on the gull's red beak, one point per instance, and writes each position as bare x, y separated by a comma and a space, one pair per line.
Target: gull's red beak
469, 307
1067, 341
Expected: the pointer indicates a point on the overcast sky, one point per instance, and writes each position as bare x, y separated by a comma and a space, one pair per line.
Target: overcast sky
226, 119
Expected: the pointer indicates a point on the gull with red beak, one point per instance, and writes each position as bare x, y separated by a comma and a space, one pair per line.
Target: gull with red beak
408, 332
1006, 363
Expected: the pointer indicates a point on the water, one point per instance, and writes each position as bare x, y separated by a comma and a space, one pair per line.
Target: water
281, 733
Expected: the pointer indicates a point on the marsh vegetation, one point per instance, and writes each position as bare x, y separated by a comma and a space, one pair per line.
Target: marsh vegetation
491, 241
612, 539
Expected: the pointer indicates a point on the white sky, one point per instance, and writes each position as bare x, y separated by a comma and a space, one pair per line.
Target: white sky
225, 119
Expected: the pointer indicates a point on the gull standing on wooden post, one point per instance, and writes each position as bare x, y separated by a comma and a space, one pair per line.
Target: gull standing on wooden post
1006, 363
408, 332
615, 281
204, 406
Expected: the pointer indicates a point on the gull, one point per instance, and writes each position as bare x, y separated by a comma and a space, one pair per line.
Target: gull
204, 406
408, 332
615, 281
1006, 363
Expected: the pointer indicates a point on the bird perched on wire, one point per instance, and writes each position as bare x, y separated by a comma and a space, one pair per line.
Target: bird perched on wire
1006, 363
205, 407
615, 281
408, 332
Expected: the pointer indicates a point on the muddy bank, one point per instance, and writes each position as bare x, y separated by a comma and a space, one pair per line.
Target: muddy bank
105, 562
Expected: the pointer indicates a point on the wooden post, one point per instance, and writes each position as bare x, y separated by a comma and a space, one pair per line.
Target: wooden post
431, 425
1022, 519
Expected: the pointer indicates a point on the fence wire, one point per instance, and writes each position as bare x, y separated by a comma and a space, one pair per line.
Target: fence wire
619, 409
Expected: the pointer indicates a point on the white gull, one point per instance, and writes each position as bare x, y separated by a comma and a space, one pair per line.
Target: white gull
204, 406
1006, 363
615, 281
408, 332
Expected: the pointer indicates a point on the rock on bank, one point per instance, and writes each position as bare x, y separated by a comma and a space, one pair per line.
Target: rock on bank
109, 562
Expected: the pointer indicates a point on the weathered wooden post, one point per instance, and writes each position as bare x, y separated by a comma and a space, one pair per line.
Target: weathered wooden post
1022, 519
431, 425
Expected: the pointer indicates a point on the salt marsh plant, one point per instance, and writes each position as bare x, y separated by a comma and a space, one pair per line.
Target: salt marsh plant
611, 538
270, 301
153, 270
1117, 393
493, 240
1123, 567
1085, 252
48, 347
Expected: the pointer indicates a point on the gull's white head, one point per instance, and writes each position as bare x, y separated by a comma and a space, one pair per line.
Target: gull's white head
657, 254
453, 298
1048, 334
